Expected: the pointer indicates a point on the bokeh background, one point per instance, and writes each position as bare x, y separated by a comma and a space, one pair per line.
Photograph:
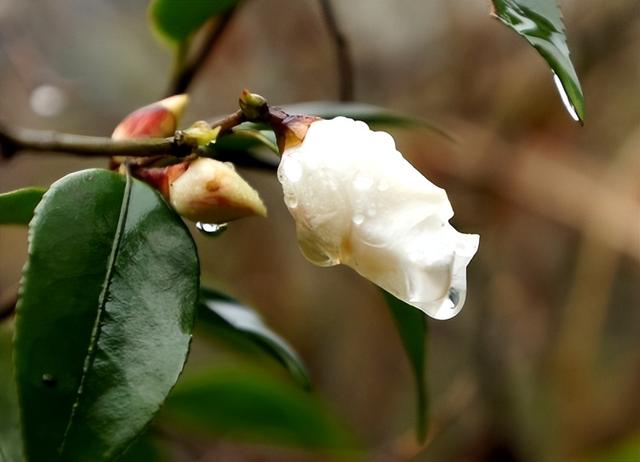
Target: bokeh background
543, 363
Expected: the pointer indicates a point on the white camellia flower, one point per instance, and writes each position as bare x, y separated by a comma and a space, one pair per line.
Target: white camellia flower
357, 201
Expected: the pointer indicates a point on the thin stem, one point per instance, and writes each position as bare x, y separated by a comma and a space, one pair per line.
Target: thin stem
15, 140
188, 69
345, 64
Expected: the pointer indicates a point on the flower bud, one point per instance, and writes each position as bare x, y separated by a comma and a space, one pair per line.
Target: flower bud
205, 190
357, 201
157, 120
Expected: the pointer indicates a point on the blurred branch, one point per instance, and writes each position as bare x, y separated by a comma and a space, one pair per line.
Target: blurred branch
187, 68
16, 140
345, 64
8, 301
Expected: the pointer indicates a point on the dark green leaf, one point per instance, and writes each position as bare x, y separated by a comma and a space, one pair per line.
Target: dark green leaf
176, 20
104, 320
10, 441
144, 449
412, 327
372, 115
540, 23
221, 311
251, 405
16, 207
246, 139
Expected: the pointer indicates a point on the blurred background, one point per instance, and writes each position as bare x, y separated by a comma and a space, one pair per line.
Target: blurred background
543, 363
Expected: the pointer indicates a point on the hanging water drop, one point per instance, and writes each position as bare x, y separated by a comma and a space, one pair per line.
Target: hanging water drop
49, 380
358, 219
565, 99
211, 229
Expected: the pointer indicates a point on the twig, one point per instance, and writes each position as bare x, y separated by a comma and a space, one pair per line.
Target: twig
8, 301
345, 64
15, 140
186, 72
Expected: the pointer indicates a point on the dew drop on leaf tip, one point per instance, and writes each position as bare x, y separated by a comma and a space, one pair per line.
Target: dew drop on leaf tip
211, 229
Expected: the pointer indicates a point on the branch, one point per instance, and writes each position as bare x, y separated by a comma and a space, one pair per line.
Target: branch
15, 140
187, 72
345, 64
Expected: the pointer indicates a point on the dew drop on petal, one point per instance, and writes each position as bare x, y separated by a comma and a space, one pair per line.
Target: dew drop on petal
362, 182
291, 170
358, 219
383, 185
211, 229
290, 200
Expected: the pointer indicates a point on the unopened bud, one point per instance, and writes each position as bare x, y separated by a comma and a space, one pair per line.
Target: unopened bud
205, 190
157, 120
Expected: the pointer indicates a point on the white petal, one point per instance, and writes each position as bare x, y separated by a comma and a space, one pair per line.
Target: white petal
358, 202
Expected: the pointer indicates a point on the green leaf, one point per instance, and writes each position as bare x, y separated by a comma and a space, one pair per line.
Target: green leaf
540, 23
250, 405
221, 311
144, 449
10, 441
627, 449
177, 20
16, 207
369, 113
104, 321
412, 327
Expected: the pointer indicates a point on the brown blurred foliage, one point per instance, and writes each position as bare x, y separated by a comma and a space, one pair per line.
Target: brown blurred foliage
543, 363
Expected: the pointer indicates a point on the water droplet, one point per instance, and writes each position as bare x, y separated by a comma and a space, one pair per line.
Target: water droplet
565, 98
371, 212
358, 219
211, 229
290, 200
362, 182
49, 380
291, 170
383, 185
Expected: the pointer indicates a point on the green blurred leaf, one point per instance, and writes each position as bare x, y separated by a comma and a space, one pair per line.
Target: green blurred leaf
144, 449
372, 115
246, 139
250, 405
221, 311
16, 207
625, 450
10, 441
412, 327
540, 23
177, 20
104, 321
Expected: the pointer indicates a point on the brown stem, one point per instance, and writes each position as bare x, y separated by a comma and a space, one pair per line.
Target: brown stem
345, 64
15, 140
191, 67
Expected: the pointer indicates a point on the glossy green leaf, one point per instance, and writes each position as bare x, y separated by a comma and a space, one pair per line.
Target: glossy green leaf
369, 113
177, 20
16, 207
221, 311
540, 23
104, 321
250, 405
144, 449
412, 327
10, 441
